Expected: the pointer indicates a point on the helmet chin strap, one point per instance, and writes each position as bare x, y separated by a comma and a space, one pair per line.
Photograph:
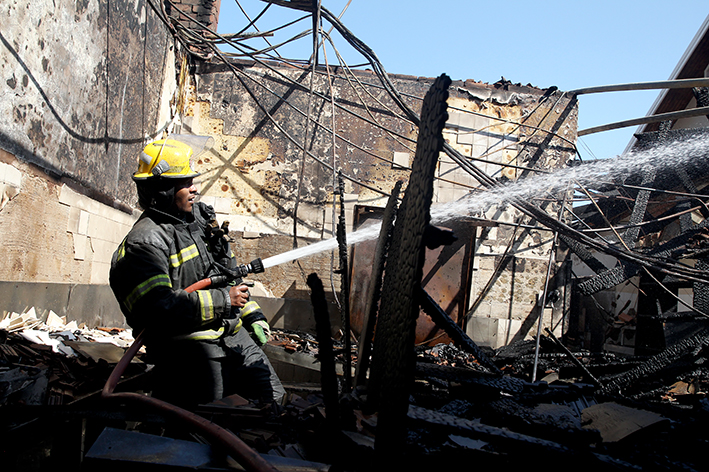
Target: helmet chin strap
157, 193
164, 201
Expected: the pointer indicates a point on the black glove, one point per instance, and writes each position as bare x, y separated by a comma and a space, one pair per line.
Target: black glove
231, 322
218, 242
231, 325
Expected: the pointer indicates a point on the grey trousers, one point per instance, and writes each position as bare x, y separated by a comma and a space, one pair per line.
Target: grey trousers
190, 373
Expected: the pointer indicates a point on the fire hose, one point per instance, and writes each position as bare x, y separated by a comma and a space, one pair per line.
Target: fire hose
228, 441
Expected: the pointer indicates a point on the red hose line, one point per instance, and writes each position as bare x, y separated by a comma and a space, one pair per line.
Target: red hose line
199, 285
130, 353
122, 365
235, 447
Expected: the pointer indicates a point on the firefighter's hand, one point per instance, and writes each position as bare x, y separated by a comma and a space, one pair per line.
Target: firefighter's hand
260, 332
239, 295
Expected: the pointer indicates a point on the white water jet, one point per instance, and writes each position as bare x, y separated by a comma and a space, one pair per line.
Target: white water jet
365, 234
660, 157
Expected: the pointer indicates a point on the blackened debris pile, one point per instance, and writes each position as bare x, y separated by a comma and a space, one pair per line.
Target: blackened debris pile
595, 410
628, 412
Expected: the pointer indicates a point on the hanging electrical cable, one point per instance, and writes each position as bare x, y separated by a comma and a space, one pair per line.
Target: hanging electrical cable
253, 22
356, 90
290, 138
373, 123
315, 30
464, 162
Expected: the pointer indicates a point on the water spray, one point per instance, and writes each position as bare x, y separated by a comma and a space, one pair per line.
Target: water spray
668, 155
366, 234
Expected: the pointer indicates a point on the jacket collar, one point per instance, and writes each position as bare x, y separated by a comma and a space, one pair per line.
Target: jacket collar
160, 216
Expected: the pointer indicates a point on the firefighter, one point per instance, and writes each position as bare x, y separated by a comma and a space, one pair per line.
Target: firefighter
200, 342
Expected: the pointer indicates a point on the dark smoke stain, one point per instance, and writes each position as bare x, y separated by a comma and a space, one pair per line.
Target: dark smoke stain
36, 133
19, 114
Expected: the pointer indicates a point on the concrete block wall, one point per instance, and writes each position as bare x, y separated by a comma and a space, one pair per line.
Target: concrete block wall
505, 302
57, 247
478, 136
96, 230
10, 183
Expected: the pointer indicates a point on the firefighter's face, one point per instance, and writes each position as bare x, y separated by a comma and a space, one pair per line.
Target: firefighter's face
185, 195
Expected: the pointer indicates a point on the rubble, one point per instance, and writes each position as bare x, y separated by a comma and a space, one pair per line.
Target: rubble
53, 362
640, 426
458, 409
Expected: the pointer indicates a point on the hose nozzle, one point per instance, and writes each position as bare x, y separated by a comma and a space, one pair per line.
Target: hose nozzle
253, 267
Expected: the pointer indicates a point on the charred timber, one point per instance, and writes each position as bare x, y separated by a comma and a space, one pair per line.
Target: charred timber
462, 340
462, 375
345, 283
573, 358
477, 429
328, 375
375, 286
394, 355
670, 355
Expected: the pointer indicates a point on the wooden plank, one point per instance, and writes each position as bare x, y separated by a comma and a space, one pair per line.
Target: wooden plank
616, 422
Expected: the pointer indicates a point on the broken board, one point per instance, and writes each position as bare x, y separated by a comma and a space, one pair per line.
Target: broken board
616, 422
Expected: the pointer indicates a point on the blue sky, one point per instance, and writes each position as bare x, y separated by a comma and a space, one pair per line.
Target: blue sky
568, 44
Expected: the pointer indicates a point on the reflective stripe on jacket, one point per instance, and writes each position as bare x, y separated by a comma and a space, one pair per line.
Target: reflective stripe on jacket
159, 258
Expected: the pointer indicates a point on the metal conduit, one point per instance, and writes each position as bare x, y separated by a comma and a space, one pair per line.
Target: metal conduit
663, 84
673, 115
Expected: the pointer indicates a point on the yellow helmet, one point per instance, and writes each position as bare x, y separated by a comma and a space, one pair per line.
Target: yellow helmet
170, 157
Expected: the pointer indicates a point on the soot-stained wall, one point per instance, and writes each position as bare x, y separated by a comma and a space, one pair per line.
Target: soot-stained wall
84, 85
81, 90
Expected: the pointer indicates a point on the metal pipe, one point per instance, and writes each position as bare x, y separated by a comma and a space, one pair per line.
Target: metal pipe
673, 115
663, 84
552, 254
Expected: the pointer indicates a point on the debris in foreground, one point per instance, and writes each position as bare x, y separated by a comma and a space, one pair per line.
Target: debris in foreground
459, 410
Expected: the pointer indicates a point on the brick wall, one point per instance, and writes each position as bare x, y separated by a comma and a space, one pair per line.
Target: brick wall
204, 11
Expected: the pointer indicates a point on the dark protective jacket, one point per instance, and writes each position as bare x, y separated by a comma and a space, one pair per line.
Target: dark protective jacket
159, 258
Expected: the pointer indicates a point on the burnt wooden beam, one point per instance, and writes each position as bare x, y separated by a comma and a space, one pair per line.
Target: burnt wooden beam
326, 355
394, 358
345, 286
375, 286
456, 333
659, 361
